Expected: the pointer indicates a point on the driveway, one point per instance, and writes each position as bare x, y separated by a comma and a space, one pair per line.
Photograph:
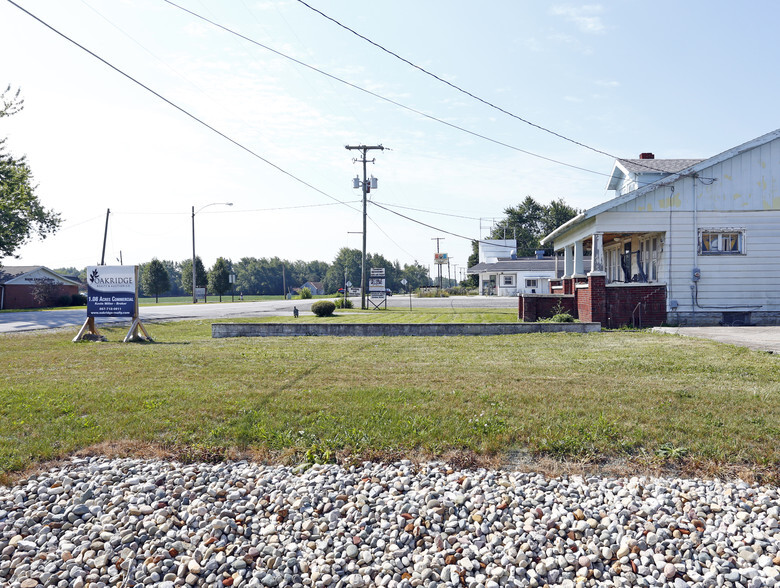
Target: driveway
757, 338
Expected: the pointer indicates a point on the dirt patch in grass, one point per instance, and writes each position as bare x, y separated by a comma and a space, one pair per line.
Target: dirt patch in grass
519, 461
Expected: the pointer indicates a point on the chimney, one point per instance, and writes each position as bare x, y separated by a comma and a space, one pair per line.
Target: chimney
646, 156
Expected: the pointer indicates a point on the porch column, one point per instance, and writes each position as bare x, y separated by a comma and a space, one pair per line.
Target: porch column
568, 261
597, 257
579, 271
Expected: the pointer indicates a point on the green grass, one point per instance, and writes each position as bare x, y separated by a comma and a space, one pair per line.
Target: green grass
575, 396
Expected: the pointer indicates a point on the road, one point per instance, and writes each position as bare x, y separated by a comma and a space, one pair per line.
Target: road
35, 320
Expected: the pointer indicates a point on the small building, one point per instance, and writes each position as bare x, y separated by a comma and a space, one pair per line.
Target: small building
687, 242
19, 286
502, 273
316, 288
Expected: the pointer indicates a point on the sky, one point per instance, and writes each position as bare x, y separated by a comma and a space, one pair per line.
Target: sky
260, 116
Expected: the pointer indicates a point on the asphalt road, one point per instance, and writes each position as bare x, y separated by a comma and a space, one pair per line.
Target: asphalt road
51, 319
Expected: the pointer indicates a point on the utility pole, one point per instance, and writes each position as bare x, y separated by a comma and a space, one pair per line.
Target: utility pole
105, 235
438, 265
366, 188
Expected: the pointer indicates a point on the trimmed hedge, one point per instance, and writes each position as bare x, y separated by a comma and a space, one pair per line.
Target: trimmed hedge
323, 308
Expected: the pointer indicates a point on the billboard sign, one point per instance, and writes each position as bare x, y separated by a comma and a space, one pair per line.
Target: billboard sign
112, 290
376, 284
440, 258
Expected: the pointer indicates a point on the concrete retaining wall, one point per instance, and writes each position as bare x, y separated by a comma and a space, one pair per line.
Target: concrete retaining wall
221, 330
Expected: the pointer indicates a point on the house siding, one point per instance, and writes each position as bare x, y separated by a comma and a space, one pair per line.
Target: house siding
740, 192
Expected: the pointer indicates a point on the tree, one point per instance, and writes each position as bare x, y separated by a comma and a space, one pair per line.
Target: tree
186, 275
348, 260
154, 278
416, 276
472, 280
219, 277
21, 213
529, 221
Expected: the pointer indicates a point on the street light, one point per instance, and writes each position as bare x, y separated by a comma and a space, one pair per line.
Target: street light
194, 212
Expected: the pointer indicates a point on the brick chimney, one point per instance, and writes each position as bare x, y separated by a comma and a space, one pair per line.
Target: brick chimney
646, 156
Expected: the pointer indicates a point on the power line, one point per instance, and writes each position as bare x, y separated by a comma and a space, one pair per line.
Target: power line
380, 97
470, 94
182, 110
430, 211
459, 236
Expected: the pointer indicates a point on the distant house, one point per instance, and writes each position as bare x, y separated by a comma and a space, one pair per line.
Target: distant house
19, 283
316, 288
502, 273
684, 242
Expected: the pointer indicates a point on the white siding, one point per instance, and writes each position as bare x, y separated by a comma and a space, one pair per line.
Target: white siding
739, 192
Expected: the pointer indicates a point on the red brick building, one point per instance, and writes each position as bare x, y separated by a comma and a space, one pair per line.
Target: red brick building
20, 284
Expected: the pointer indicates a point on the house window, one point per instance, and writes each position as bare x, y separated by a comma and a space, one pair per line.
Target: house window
721, 242
649, 253
532, 283
507, 281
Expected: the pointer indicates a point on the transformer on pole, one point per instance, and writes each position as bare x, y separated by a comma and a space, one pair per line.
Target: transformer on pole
367, 187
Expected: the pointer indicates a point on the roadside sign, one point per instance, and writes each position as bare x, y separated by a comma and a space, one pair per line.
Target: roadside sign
377, 272
376, 285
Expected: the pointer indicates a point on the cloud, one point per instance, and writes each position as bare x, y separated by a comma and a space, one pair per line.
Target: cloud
586, 17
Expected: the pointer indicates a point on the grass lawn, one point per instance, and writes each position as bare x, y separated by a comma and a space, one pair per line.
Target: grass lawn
612, 395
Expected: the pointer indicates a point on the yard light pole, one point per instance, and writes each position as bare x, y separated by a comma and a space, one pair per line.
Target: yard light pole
194, 212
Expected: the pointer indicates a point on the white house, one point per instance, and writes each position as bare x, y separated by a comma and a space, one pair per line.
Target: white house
684, 241
502, 273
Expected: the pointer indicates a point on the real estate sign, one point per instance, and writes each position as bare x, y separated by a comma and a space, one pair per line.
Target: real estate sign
112, 290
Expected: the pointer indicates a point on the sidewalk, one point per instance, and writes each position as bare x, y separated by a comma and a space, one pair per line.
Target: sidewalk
757, 338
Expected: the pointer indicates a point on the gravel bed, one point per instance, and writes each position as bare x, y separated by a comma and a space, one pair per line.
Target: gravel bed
130, 522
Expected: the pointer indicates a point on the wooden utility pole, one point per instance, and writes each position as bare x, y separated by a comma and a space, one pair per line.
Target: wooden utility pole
364, 149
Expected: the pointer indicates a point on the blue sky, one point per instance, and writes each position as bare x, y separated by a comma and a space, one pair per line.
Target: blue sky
679, 79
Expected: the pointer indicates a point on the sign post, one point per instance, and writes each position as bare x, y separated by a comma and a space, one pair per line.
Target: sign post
113, 291
404, 282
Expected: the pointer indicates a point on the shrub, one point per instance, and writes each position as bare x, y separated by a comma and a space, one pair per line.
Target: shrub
78, 300
305, 293
63, 300
562, 317
323, 308
343, 303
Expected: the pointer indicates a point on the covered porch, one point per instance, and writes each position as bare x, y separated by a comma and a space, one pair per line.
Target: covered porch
621, 285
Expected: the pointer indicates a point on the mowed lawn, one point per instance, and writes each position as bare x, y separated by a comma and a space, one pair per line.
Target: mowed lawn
570, 396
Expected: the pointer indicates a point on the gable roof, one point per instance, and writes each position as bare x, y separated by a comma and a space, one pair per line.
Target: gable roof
640, 167
12, 272
670, 179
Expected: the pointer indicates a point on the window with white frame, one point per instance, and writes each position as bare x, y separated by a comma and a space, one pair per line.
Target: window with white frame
612, 263
721, 241
650, 253
531, 283
507, 280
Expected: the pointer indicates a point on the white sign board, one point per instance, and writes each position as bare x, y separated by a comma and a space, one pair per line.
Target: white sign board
377, 272
200, 293
376, 284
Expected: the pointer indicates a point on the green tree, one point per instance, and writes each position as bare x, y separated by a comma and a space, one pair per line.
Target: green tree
472, 280
219, 277
416, 276
529, 221
186, 275
348, 260
21, 213
154, 279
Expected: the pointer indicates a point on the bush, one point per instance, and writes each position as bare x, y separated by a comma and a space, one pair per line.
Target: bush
78, 300
562, 317
323, 308
63, 300
343, 303
305, 293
